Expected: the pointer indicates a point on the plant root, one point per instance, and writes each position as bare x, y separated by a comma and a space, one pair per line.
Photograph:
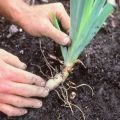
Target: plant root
65, 98
67, 103
80, 62
39, 67
56, 59
46, 61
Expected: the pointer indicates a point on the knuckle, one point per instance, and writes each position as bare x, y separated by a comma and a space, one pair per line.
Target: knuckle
57, 6
33, 92
38, 89
60, 5
19, 103
28, 93
4, 86
33, 79
60, 16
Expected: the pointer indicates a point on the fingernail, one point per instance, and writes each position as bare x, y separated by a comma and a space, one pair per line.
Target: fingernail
25, 111
42, 84
66, 41
38, 104
24, 66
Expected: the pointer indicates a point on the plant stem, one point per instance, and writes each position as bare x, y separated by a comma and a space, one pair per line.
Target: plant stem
58, 78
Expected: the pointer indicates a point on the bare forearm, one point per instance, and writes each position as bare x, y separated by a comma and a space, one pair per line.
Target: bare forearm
13, 9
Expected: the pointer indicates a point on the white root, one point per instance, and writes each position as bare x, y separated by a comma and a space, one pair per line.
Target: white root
57, 80
60, 77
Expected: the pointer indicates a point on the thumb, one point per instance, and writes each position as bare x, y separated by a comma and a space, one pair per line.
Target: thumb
57, 35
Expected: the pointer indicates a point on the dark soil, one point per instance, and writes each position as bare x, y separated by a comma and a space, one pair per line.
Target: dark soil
102, 59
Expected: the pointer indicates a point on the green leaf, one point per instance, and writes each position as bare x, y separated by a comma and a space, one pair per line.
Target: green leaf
56, 24
94, 13
96, 25
76, 6
87, 17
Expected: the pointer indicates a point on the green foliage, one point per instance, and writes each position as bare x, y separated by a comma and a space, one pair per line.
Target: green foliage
56, 24
87, 17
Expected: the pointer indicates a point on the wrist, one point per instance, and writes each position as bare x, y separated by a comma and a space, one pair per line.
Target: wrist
14, 10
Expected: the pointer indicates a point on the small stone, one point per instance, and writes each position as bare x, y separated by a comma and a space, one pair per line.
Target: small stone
72, 95
13, 29
20, 30
21, 51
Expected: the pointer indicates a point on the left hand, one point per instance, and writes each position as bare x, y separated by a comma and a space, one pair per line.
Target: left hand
18, 87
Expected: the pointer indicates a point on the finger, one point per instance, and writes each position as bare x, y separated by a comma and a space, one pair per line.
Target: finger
24, 90
57, 35
12, 111
20, 101
21, 76
63, 17
11, 59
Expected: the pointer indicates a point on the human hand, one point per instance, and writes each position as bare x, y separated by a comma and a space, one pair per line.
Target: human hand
36, 21
17, 86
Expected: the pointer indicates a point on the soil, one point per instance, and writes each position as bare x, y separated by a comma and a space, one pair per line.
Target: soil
102, 72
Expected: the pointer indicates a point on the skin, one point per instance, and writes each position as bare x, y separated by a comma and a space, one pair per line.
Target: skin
17, 85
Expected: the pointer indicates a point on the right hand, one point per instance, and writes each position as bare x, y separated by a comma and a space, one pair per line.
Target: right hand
17, 86
36, 21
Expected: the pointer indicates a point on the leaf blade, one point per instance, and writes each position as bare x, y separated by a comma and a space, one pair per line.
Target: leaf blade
87, 31
56, 24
